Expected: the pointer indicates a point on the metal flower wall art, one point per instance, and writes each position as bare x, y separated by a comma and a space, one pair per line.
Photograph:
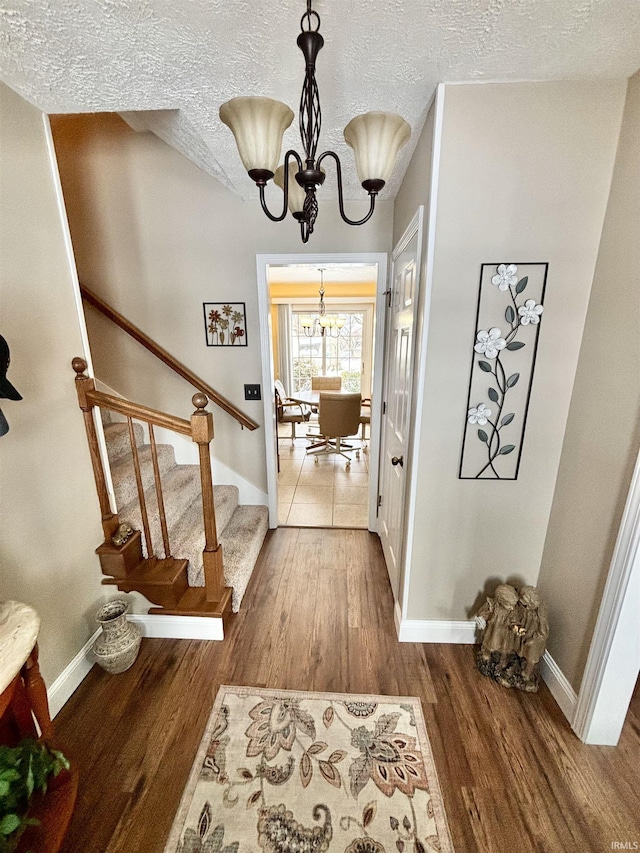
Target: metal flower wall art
510, 307
225, 324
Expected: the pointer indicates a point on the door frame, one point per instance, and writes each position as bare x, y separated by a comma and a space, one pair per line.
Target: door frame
427, 250
268, 374
613, 664
415, 227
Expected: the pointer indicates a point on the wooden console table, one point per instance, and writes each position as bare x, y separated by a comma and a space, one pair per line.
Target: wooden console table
23, 704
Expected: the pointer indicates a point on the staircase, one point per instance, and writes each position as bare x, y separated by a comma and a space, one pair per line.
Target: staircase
177, 584
168, 509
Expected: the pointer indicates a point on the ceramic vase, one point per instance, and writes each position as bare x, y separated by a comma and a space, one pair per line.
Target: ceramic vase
117, 646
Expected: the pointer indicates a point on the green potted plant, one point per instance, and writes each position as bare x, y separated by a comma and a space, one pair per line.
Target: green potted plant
25, 770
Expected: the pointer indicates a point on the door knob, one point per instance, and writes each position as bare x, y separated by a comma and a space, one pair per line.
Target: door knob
398, 460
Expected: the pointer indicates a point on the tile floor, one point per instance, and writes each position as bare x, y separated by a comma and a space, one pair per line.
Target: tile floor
322, 495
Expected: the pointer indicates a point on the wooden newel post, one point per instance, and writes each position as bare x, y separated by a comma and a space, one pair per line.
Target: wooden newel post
202, 434
84, 384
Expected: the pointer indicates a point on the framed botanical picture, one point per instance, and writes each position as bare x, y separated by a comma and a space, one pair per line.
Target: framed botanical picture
225, 324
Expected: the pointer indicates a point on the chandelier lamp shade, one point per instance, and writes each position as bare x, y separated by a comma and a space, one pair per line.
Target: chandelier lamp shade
258, 125
322, 324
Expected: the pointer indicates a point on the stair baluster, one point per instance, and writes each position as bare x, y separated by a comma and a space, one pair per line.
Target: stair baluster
159, 494
139, 484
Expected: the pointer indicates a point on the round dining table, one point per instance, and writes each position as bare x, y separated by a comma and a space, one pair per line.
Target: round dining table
311, 398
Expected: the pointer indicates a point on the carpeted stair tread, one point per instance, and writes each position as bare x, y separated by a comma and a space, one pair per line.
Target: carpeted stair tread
123, 473
241, 529
225, 499
118, 442
241, 543
187, 536
180, 487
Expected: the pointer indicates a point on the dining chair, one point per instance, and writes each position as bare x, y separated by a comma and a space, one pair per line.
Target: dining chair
289, 411
365, 419
326, 383
338, 417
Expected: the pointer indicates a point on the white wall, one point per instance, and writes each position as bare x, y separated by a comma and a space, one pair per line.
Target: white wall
48, 504
524, 174
416, 186
156, 237
603, 431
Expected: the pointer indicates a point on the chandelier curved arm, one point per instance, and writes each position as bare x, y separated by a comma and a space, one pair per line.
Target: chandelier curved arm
372, 193
262, 185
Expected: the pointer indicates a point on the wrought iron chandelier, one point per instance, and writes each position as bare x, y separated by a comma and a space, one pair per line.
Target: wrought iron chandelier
258, 125
322, 324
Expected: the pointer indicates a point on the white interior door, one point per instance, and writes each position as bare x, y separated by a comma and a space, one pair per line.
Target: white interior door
398, 387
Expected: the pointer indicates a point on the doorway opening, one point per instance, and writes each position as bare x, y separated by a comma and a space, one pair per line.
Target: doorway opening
308, 339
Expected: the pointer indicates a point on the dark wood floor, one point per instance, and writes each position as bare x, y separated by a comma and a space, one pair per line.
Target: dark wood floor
318, 616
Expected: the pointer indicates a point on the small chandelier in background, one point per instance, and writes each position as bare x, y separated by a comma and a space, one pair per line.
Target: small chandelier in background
322, 324
258, 125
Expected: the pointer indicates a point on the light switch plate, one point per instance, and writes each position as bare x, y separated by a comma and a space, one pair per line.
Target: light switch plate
252, 392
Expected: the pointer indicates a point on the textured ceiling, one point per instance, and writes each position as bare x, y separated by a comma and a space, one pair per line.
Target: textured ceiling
167, 66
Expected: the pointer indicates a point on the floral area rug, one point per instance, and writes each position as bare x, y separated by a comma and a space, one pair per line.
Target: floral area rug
289, 772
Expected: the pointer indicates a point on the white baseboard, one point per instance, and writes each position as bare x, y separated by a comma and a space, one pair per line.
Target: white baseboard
435, 631
71, 677
560, 688
178, 627
151, 625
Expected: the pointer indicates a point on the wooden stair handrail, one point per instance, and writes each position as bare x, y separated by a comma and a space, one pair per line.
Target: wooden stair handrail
138, 411
167, 358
